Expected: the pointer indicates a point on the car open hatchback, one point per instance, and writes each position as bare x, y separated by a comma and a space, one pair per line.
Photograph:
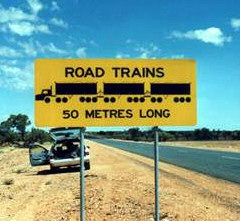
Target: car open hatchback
64, 152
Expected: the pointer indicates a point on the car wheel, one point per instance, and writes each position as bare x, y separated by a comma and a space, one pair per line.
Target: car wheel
87, 165
53, 169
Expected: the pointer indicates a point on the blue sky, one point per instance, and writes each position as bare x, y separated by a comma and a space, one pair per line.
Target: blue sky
207, 31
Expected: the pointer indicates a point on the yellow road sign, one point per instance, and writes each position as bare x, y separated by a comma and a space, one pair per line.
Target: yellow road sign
115, 92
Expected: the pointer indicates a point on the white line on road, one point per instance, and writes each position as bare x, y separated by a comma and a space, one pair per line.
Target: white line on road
231, 158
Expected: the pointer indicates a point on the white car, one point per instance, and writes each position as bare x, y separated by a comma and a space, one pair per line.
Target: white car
65, 151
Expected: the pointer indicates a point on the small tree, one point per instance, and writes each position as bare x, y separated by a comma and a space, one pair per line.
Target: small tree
134, 133
37, 135
7, 135
18, 122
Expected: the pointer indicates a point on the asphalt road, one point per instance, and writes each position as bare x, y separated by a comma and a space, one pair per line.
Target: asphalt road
220, 164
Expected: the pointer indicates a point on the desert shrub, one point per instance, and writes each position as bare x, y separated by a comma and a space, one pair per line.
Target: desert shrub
20, 170
8, 181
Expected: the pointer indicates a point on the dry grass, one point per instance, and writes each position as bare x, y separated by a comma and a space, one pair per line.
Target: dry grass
228, 145
6, 149
21, 170
119, 186
48, 182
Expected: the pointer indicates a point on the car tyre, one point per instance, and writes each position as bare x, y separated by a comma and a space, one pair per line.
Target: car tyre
87, 165
53, 169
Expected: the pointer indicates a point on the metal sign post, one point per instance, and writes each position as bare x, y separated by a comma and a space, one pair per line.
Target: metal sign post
156, 173
82, 174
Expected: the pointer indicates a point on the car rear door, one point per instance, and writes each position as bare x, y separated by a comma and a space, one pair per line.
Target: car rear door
38, 155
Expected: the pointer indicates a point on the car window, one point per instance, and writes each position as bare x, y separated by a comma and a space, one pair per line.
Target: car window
38, 152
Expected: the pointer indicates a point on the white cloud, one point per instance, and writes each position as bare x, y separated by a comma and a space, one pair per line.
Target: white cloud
14, 14
8, 52
29, 48
8, 61
88, 42
24, 28
210, 35
52, 48
144, 55
177, 56
16, 77
42, 28
92, 42
33, 48
143, 51
122, 55
59, 22
35, 6
23, 24
54, 6
81, 52
68, 42
174, 56
21, 28
149, 51
235, 23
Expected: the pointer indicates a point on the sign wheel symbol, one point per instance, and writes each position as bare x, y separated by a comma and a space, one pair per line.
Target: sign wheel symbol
82, 99
182, 99
64, 100
159, 99
112, 99
94, 99
135, 99
58, 99
129, 99
176, 99
47, 100
153, 99
88, 99
106, 99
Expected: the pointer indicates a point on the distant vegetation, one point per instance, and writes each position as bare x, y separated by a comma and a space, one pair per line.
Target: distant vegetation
13, 131
198, 134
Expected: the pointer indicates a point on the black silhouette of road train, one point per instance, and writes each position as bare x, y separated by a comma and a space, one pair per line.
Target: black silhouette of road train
134, 92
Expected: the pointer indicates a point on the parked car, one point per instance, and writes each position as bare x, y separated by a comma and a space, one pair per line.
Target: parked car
64, 152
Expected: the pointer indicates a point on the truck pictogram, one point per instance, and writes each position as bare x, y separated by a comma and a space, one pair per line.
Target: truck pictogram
63, 91
134, 92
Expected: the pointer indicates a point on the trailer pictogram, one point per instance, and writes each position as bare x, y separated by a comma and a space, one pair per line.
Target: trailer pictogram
133, 92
